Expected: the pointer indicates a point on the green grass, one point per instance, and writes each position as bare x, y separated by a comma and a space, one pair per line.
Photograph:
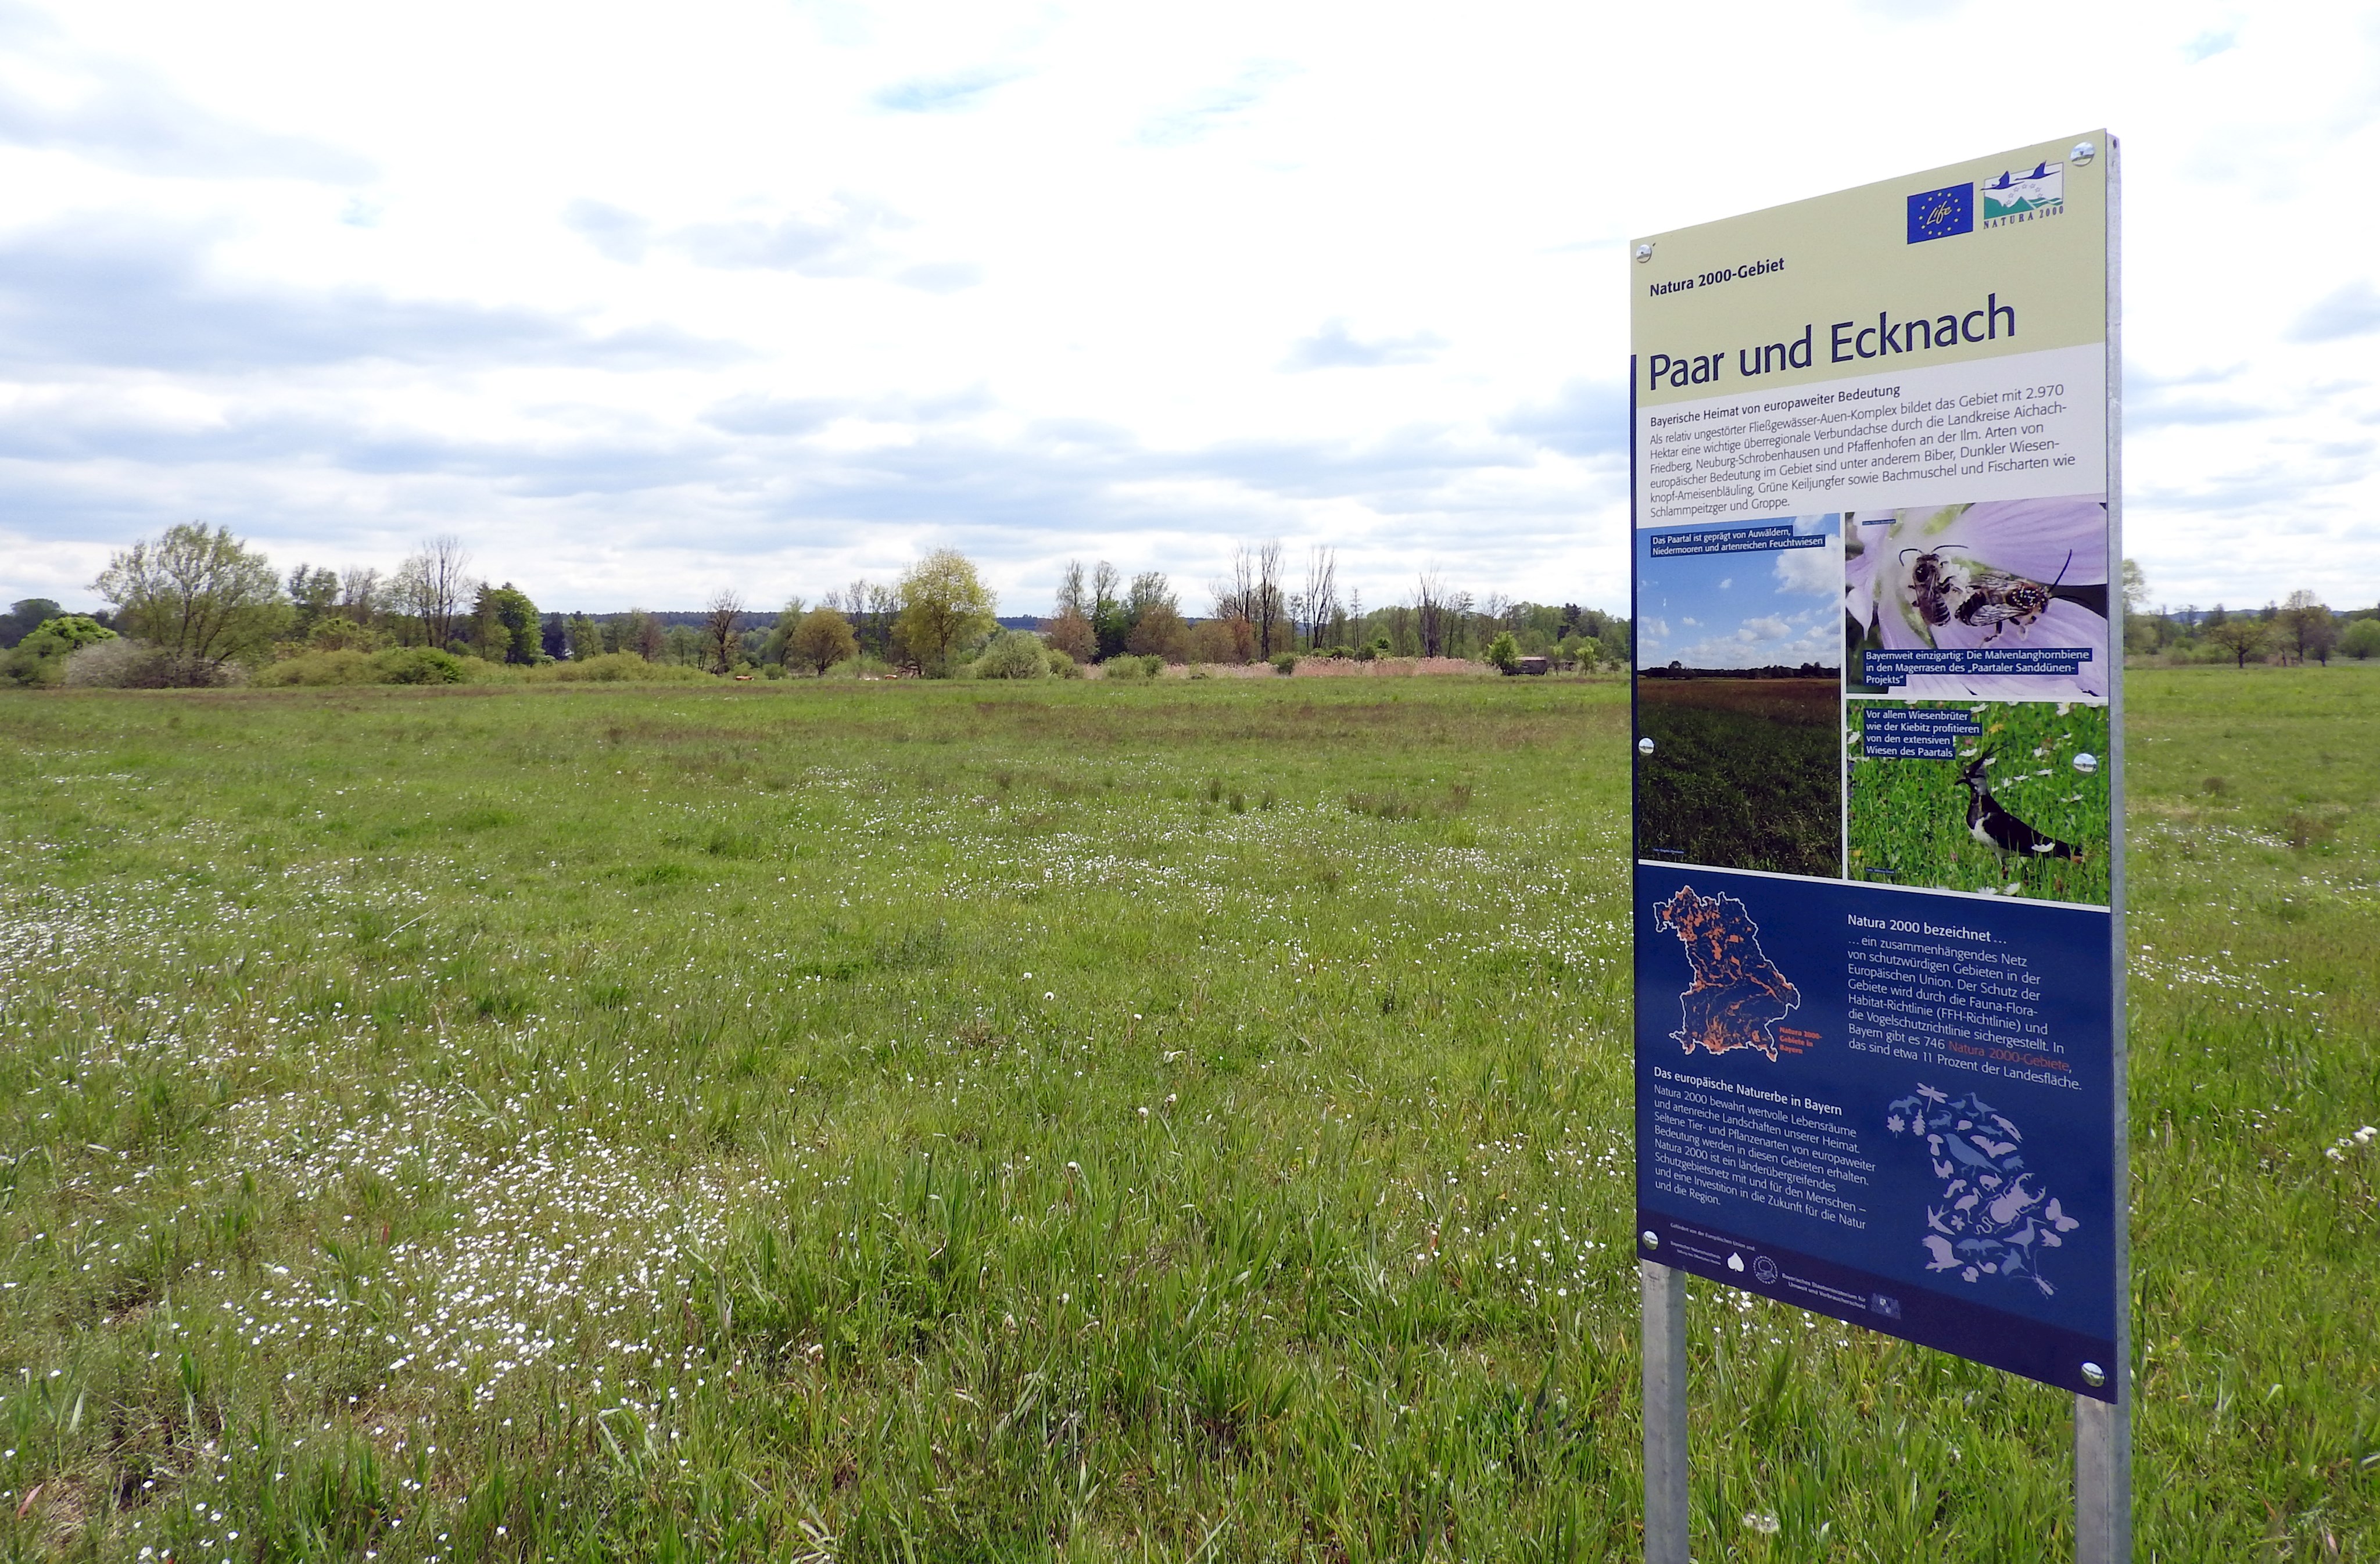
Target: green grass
1908, 817
1185, 1121
1743, 773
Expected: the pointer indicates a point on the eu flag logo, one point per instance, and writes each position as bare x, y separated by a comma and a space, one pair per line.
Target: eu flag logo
1938, 215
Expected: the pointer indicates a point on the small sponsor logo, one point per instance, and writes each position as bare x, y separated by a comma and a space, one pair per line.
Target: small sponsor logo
1939, 215
1884, 1306
2018, 197
1764, 1269
1735, 1263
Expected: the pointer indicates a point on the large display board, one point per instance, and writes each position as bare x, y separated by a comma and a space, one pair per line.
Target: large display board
1878, 843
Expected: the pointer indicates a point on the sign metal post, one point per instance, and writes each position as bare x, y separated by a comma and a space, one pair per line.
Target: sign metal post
1876, 493
1666, 1509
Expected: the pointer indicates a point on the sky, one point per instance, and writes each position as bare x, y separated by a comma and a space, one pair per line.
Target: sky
643, 302
1775, 607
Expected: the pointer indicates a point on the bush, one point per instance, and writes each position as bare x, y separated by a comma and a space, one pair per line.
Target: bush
127, 664
419, 665
619, 668
1284, 662
2361, 639
1504, 652
398, 665
320, 668
1012, 654
1133, 667
40, 657
1062, 666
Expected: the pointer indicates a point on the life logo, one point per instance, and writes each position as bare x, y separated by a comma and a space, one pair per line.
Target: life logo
2014, 197
1939, 214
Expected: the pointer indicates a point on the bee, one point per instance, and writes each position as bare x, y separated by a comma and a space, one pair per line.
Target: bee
1999, 598
1932, 586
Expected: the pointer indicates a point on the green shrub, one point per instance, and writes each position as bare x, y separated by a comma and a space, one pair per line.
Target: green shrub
1284, 662
2361, 639
398, 665
320, 668
1062, 666
1012, 654
1133, 667
419, 665
618, 668
40, 657
1504, 652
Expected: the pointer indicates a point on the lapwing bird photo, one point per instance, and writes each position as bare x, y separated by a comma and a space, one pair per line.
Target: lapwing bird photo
1990, 822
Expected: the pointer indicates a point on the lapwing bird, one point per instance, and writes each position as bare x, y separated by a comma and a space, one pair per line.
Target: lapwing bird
1989, 822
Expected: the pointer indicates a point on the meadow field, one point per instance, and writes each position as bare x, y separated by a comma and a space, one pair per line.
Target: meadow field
1907, 819
1744, 773
1182, 1121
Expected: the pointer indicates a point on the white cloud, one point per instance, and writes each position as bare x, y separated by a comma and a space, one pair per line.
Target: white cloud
1816, 573
779, 293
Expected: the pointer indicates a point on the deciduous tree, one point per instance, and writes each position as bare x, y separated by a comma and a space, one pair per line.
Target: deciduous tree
946, 608
2309, 627
24, 616
434, 589
1072, 633
40, 657
2243, 637
197, 592
720, 620
1160, 632
822, 638
505, 625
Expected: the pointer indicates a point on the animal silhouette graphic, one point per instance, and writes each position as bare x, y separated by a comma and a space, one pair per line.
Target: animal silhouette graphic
1991, 1222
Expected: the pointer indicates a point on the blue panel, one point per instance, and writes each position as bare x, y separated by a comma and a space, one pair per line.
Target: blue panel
1892, 1107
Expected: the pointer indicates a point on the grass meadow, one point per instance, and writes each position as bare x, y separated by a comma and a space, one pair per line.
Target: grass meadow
1744, 773
1185, 1121
1908, 818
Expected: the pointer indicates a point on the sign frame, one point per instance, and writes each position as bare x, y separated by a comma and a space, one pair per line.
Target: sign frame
2102, 1404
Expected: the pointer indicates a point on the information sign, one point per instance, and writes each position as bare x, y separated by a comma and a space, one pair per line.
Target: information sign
1878, 825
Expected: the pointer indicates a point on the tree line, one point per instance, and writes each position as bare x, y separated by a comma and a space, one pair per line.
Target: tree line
1263, 610
2298, 629
198, 605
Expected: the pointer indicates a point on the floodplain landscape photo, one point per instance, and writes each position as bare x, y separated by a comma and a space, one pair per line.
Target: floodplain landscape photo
1050, 1120
1739, 692
1745, 774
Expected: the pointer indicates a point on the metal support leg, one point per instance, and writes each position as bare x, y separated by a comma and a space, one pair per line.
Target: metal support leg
2103, 1479
1666, 1513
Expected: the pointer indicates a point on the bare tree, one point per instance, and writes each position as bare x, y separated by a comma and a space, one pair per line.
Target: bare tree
719, 622
1430, 608
1269, 605
1235, 598
360, 593
1070, 593
1321, 595
433, 585
1236, 594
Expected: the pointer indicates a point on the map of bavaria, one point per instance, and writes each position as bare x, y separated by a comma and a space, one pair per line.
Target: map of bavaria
1738, 995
